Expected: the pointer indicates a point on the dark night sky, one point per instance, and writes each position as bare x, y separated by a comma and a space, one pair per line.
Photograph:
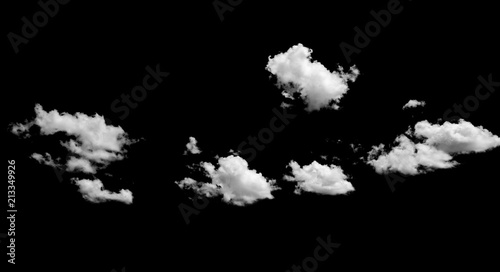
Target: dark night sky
219, 91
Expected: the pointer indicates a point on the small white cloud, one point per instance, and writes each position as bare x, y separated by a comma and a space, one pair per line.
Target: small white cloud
285, 105
93, 191
21, 129
438, 144
355, 147
206, 189
319, 87
191, 146
233, 180
414, 104
47, 159
80, 164
318, 178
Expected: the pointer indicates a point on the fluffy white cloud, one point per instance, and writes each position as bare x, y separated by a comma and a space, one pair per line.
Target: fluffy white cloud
461, 137
94, 142
93, 191
192, 147
318, 178
316, 84
233, 180
408, 158
438, 144
414, 104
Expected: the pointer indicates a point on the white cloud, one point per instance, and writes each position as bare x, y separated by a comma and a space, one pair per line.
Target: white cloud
285, 105
21, 129
355, 147
233, 180
408, 158
97, 155
92, 133
47, 159
461, 137
316, 84
94, 139
192, 147
93, 191
94, 142
439, 143
318, 178
414, 104
207, 189
81, 164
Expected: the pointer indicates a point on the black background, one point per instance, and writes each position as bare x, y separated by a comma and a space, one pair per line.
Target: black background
219, 91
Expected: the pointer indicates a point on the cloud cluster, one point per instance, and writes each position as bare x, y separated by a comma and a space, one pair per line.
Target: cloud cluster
318, 178
319, 87
233, 180
414, 104
94, 146
437, 145
192, 146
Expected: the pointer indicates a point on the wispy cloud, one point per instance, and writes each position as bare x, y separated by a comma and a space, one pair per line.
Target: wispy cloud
47, 159
413, 104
